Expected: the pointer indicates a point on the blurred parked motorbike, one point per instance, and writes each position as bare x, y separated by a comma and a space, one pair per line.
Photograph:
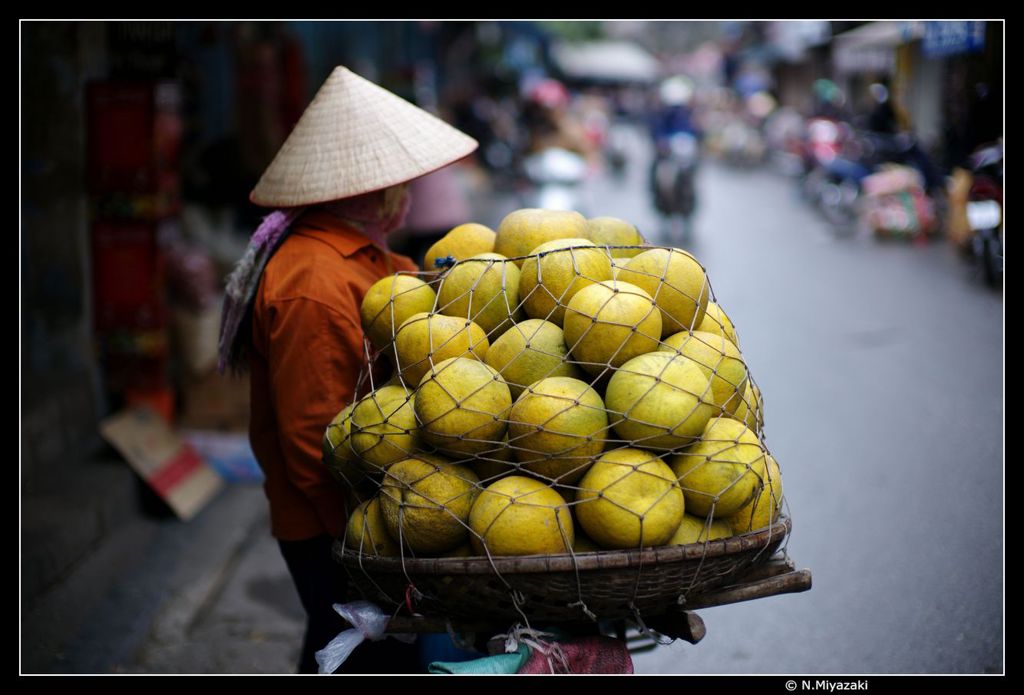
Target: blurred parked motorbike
985, 212
842, 160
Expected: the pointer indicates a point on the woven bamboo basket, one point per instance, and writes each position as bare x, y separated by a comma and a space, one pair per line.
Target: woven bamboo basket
606, 585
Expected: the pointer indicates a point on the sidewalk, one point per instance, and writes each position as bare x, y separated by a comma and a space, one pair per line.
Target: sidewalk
161, 596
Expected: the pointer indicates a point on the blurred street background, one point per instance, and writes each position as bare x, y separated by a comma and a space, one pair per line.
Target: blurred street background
841, 182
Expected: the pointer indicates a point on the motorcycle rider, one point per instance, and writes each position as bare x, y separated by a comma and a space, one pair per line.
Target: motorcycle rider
677, 139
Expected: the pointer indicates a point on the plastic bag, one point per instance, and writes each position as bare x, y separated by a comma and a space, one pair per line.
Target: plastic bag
368, 622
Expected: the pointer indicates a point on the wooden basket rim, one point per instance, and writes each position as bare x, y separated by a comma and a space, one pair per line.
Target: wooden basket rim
600, 560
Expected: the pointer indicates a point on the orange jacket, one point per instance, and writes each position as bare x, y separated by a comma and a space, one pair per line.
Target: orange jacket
306, 357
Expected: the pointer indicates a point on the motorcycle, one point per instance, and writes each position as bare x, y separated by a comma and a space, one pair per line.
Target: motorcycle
985, 212
824, 142
844, 164
673, 181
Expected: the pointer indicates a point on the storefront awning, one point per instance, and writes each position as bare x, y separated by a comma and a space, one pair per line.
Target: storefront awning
607, 61
872, 47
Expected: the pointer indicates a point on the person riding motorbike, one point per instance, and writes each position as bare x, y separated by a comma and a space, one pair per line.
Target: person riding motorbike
677, 139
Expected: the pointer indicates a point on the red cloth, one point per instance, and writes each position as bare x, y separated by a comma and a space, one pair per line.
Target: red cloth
596, 654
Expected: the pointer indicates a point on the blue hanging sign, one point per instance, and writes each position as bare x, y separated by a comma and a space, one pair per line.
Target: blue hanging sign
953, 38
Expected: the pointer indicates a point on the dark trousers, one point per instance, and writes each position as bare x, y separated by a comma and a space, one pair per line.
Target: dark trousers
322, 582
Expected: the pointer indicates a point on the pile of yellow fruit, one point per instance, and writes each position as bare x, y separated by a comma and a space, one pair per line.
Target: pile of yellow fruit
559, 386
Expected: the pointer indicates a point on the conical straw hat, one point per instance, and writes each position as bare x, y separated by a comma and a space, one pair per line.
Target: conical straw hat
356, 137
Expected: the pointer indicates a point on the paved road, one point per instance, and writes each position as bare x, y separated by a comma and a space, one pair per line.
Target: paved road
881, 368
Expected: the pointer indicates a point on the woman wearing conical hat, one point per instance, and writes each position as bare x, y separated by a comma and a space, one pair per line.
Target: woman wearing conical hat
338, 187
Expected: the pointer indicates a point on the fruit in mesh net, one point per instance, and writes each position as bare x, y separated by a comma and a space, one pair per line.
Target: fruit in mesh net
530, 351
523, 230
693, 529
716, 321
520, 516
676, 281
722, 472
659, 401
383, 428
750, 411
461, 242
461, 405
426, 502
367, 532
389, 302
484, 288
766, 506
720, 361
556, 427
429, 339
555, 271
612, 231
629, 499
610, 323
338, 454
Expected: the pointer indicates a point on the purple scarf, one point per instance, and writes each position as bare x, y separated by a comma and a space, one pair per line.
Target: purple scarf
243, 283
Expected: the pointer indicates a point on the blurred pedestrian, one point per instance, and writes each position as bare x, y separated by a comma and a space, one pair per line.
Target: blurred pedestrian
882, 118
551, 124
339, 186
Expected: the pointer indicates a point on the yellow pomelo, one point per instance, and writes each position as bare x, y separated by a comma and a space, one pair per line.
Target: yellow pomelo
750, 411
720, 361
520, 516
425, 340
556, 427
524, 230
676, 281
461, 242
426, 502
484, 288
766, 506
338, 454
629, 499
659, 401
721, 473
611, 231
530, 351
383, 428
461, 406
716, 321
389, 302
610, 323
697, 530
367, 532
555, 271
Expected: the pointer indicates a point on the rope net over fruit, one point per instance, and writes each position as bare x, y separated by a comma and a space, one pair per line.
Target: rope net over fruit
568, 434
